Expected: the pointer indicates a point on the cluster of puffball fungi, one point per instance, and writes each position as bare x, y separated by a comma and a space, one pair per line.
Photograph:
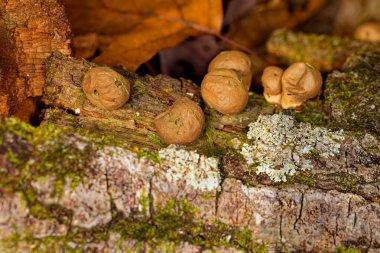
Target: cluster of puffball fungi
226, 85
292, 87
224, 88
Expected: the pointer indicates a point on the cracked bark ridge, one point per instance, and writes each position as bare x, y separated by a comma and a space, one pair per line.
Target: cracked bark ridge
283, 216
301, 218
113, 245
29, 32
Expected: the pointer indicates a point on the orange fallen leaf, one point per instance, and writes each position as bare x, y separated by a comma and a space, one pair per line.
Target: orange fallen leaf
139, 29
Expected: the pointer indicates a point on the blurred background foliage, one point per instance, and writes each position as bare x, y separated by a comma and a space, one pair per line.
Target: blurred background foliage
180, 37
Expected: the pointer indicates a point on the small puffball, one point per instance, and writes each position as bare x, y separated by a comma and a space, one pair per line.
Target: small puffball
234, 60
224, 90
271, 80
300, 82
105, 88
182, 123
369, 31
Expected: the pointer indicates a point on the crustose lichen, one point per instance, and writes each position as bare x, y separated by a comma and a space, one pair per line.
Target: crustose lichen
198, 171
281, 146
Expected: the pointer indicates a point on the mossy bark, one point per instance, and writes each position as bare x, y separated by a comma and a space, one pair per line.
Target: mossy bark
134, 122
70, 190
353, 95
91, 179
324, 52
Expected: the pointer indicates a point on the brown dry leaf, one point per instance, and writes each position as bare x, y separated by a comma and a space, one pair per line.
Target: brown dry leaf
141, 28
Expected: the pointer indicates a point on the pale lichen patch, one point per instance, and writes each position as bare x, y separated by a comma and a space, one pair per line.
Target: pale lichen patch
198, 171
281, 146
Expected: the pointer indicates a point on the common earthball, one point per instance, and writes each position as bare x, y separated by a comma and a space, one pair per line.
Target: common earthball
182, 123
271, 80
369, 31
234, 60
105, 88
225, 91
300, 82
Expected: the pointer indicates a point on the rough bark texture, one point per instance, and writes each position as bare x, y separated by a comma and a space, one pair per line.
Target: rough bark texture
74, 186
29, 32
63, 190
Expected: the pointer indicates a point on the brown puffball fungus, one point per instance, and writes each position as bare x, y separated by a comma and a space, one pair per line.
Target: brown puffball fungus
105, 88
369, 31
234, 60
300, 82
271, 80
224, 90
181, 123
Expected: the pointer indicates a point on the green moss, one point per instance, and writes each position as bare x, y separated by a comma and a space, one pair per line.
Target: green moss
312, 113
138, 87
41, 245
155, 139
175, 222
303, 177
43, 152
342, 249
166, 227
352, 96
314, 154
151, 155
346, 181
219, 143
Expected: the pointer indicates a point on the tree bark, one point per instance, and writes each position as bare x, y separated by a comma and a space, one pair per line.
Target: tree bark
29, 31
72, 187
65, 190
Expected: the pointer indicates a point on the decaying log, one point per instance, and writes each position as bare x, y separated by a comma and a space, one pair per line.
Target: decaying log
134, 122
87, 193
29, 31
96, 187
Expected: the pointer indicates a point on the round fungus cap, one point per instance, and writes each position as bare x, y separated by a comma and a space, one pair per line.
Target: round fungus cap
300, 82
224, 90
105, 88
271, 80
182, 123
234, 60
369, 31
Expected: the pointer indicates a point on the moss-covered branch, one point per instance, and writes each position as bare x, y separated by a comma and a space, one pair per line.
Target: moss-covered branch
134, 122
322, 51
68, 189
